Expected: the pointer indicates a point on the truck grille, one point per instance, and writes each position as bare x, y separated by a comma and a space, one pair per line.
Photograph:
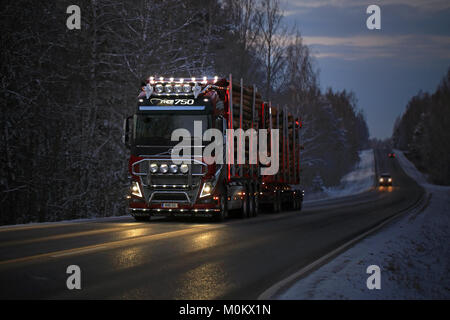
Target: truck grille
169, 197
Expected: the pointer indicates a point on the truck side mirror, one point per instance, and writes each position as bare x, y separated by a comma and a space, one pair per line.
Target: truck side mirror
126, 132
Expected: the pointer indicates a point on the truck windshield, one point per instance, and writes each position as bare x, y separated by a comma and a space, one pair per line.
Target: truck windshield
157, 129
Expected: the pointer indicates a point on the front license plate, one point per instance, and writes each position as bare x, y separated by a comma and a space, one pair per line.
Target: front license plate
170, 205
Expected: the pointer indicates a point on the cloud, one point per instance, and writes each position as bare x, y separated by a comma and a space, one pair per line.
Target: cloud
403, 47
428, 5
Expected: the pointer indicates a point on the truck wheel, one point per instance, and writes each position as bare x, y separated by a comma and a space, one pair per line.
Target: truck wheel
244, 209
251, 202
223, 214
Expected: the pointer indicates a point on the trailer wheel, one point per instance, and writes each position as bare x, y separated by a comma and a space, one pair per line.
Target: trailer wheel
277, 203
256, 203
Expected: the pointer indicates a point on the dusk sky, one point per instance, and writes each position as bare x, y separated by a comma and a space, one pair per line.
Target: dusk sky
384, 68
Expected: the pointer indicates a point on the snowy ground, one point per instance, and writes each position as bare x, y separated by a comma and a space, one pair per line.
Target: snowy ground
413, 254
359, 180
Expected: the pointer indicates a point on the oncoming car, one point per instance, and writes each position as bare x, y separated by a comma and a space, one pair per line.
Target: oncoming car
385, 179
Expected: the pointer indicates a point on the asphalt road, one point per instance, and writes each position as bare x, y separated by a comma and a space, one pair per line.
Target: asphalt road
163, 259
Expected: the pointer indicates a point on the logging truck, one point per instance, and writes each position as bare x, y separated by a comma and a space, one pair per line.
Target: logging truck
210, 147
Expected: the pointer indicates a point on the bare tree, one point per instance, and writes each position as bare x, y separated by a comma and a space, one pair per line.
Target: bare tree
273, 40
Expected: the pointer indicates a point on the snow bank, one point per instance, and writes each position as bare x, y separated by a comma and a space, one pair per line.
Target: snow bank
412, 253
357, 181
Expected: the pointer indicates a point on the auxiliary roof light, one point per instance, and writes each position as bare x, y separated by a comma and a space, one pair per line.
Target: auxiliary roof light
186, 88
169, 88
159, 88
184, 168
178, 88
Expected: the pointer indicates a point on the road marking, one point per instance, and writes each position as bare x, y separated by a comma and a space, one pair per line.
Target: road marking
41, 225
110, 245
281, 285
64, 254
67, 235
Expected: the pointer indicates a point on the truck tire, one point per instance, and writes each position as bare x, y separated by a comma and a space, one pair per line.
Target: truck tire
276, 203
251, 202
256, 203
223, 214
244, 208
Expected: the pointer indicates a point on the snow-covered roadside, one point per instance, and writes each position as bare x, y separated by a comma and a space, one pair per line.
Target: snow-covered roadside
63, 222
413, 254
357, 181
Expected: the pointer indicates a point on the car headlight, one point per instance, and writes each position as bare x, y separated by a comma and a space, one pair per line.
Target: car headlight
173, 168
390, 180
164, 168
136, 189
169, 88
381, 180
159, 88
153, 168
184, 168
206, 190
187, 88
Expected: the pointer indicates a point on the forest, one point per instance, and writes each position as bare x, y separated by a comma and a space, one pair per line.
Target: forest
64, 94
423, 132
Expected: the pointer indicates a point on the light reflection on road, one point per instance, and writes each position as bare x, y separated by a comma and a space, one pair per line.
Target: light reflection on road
207, 281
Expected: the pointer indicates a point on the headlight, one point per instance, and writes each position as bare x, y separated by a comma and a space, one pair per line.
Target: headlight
187, 88
169, 88
136, 189
178, 88
381, 180
173, 168
159, 88
164, 168
206, 190
390, 180
184, 168
153, 168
